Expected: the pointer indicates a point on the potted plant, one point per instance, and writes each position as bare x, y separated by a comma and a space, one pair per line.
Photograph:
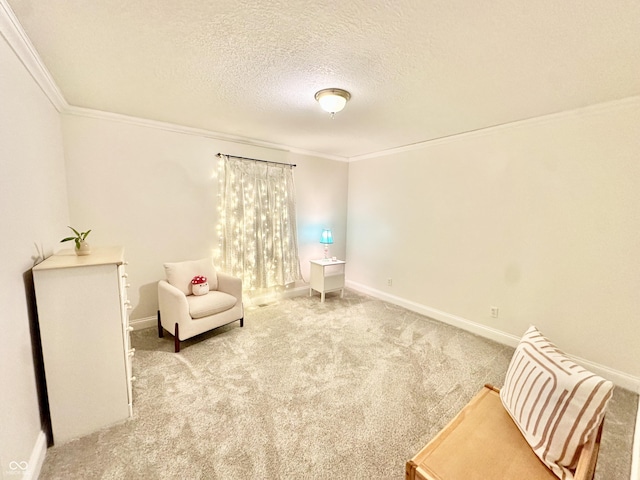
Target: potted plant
82, 247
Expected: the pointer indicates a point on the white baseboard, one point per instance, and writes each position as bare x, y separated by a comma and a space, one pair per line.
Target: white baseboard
448, 318
145, 322
635, 455
152, 321
271, 297
36, 459
621, 379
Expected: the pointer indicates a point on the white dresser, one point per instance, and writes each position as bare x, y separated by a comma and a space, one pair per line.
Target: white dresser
84, 326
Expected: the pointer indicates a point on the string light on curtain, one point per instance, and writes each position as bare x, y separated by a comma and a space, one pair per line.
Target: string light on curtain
257, 228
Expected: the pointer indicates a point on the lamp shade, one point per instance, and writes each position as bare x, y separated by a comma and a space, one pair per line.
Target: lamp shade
327, 237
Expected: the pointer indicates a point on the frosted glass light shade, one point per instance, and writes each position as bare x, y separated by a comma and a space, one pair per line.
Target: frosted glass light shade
332, 100
327, 237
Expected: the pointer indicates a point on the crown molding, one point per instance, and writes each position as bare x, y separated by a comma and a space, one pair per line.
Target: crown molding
19, 42
595, 109
172, 127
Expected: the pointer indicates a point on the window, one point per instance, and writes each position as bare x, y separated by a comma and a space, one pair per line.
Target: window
258, 237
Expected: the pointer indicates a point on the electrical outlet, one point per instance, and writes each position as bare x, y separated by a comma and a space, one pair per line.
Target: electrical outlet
494, 312
389, 282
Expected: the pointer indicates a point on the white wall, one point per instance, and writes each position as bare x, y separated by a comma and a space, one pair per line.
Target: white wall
153, 191
33, 215
539, 218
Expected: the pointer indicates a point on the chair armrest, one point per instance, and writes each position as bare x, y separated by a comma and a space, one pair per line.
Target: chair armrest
172, 304
230, 284
586, 468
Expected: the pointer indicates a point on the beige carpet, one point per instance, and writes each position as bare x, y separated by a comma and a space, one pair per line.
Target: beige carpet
351, 388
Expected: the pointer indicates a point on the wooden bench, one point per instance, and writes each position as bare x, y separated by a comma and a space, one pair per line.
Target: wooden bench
483, 442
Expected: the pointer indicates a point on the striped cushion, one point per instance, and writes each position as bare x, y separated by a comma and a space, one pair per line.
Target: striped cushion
555, 403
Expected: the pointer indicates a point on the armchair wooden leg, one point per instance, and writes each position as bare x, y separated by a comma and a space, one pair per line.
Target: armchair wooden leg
176, 340
242, 322
160, 329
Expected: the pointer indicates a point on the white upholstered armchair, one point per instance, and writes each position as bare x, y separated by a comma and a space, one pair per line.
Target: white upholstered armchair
186, 315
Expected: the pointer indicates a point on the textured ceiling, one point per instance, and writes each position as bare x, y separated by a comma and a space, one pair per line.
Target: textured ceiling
416, 69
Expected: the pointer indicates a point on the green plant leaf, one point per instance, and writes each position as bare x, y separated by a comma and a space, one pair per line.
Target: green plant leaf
80, 237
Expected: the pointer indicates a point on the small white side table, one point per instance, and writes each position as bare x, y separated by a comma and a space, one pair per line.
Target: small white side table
324, 278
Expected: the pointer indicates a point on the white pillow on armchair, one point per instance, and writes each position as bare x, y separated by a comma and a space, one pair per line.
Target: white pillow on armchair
180, 274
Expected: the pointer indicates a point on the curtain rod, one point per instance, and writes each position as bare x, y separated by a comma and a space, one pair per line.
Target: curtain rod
257, 160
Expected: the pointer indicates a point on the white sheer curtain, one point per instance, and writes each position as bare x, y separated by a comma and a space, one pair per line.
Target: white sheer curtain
258, 237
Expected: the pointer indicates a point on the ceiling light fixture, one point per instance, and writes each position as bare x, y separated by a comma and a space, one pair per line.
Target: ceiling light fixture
332, 100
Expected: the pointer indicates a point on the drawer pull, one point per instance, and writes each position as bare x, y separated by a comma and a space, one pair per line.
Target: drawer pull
129, 328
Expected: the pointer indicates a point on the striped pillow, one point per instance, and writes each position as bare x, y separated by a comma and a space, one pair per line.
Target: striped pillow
555, 403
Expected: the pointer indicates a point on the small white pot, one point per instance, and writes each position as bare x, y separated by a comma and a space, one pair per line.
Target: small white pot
85, 249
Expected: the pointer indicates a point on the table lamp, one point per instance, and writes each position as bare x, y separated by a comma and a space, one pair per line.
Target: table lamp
326, 239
